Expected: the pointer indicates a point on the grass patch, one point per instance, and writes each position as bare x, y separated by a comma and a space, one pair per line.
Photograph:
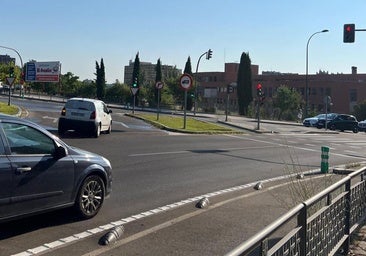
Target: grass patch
193, 125
9, 110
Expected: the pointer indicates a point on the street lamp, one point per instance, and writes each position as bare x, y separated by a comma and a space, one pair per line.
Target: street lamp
307, 71
21, 65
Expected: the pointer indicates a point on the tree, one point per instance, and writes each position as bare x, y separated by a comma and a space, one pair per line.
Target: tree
288, 102
244, 84
158, 78
70, 84
188, 70
360, 110
100, 80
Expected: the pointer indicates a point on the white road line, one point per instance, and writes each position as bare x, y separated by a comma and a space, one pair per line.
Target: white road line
121, 123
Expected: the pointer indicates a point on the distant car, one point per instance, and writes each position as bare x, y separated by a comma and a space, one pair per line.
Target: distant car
321, 121
39, 173
312, 121
362, 126
85, 115
344, 122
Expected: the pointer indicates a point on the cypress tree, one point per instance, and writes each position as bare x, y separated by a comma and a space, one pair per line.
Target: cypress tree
244, 84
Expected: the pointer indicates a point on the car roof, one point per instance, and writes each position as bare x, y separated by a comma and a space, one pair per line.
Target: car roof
85, 99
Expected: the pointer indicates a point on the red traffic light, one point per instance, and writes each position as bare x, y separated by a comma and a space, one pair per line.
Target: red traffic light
349, 33
259, 86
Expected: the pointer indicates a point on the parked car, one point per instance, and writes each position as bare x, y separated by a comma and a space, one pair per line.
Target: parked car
85, 115
362, 126
40, 172
312, 121
321, 121
344, 122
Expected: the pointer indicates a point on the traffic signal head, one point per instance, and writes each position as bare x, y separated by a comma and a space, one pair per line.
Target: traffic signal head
11, 71
134, 84
349, 33
209, 54
259, 90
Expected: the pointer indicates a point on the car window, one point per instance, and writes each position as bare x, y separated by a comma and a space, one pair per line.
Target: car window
24, 139
79, 104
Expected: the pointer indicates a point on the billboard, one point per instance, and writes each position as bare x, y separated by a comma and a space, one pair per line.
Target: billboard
43, 71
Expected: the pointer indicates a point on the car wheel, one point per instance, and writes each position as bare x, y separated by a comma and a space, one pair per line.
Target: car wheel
355, 130
109, 128
90, 197
332, 127
97, 131
61, 130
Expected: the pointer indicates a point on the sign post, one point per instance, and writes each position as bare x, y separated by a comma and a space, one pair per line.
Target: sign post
10, 81
159, 85
185, 82
134, 90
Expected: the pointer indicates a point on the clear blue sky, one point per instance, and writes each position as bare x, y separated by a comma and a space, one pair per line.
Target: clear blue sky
274, 33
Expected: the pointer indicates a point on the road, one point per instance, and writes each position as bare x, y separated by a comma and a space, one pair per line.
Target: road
154, 168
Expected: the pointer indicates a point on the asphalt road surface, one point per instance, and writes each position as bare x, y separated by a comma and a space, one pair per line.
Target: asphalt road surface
154, 168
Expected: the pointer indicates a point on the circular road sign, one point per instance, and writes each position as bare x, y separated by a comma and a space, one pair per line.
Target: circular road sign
186, 81
159, 85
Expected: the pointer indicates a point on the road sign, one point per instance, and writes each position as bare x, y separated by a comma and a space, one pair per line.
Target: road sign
134, 90
159, 85
186, 81
10, 80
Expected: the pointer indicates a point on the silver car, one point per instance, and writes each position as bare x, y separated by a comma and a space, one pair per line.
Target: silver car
39, 172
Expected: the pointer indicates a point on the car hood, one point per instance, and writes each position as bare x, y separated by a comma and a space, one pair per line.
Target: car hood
78, 152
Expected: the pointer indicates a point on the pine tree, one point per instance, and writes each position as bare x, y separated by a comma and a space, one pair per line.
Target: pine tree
244, 84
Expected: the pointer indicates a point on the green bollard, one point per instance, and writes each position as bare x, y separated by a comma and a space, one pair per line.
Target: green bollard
324, 167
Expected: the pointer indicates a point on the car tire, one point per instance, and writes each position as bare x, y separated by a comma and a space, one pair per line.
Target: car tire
355, 130
61, 130
332, 127
97, 131
90, 197
109, 128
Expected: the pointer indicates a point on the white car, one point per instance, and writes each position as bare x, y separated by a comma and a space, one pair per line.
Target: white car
85, 115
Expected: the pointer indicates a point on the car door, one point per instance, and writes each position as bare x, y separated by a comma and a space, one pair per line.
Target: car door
106, 116
40, 181
6, 178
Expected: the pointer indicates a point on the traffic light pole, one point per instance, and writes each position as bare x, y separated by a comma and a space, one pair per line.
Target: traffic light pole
21, 68
196, 85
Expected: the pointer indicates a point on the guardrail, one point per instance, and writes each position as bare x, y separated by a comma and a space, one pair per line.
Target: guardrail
323, 223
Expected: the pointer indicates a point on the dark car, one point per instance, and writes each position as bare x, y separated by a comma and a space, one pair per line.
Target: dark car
344, 122
312, 121
39, 172
321, 120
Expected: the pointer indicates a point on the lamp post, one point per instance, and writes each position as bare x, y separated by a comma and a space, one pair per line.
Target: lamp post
307, 71
21, 66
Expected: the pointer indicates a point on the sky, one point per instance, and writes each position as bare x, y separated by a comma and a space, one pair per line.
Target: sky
79, 33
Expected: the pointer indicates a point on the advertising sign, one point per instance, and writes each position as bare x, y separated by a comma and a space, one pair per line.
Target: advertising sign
43, 71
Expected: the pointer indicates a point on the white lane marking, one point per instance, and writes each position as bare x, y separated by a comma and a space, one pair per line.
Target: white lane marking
76, 237
54, 119
121, 123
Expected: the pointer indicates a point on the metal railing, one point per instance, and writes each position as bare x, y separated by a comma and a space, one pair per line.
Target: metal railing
323, 223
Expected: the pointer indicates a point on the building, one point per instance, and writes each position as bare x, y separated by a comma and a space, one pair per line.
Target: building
148, 72
345, 90
6, 59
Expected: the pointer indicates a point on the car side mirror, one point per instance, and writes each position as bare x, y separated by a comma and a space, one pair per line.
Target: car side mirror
60, 152
110, 111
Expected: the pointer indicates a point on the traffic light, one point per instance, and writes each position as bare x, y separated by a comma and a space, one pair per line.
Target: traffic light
135, 84
349, 33
209, 54
11, 72
259, 90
